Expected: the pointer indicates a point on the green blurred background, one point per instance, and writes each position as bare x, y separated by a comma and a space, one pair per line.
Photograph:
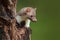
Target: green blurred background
48, 14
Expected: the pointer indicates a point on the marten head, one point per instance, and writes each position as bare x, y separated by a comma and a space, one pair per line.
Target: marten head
28, 13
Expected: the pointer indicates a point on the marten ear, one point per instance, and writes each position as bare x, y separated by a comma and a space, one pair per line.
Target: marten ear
28, 10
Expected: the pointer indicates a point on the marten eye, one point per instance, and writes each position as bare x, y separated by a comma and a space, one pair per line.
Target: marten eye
31, 16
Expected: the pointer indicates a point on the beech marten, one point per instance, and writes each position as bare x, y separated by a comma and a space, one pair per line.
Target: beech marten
25, 15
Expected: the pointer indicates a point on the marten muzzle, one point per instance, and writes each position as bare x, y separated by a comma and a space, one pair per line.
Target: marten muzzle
33, 19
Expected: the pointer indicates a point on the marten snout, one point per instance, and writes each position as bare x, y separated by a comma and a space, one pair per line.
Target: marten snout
32, 18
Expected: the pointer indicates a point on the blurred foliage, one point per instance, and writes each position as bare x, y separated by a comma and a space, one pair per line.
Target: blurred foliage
48, 14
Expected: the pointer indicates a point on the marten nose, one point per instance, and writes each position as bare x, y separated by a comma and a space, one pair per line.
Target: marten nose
34, 20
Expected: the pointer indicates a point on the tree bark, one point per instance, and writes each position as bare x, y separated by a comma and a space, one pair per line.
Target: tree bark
8, 28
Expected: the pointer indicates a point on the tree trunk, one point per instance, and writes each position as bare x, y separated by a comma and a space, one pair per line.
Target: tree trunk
8, 28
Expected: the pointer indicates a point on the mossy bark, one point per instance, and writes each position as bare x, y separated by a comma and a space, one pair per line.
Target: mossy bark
8, 28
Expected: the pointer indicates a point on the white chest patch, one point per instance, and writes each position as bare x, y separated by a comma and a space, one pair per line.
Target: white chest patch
27, 23
18, 18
